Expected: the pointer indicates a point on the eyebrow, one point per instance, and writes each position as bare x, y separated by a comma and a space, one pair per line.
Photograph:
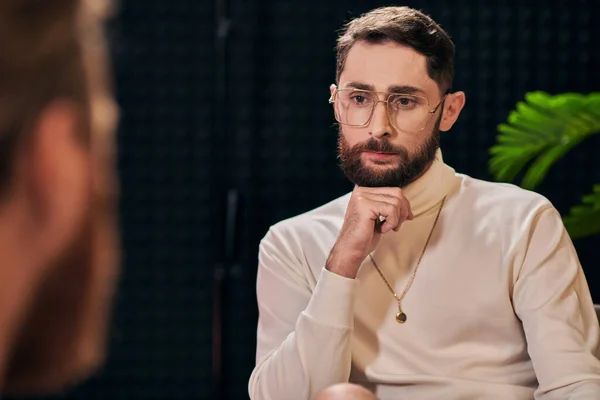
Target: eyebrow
407, 89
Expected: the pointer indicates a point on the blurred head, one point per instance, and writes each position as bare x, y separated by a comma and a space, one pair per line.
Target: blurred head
58, 231
395, 68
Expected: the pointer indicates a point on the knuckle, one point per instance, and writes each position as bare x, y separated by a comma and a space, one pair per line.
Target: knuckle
402, 217
392, 211
361, 205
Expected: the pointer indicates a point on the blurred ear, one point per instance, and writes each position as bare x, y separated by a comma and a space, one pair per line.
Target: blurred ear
452, 107
59, 177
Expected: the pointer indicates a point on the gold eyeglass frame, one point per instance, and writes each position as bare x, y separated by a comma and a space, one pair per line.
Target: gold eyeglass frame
388, 95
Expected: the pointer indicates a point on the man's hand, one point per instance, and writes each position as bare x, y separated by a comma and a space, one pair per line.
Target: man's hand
363, 227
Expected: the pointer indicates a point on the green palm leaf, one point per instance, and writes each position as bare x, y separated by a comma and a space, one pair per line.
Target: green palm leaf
584, 220
540, 131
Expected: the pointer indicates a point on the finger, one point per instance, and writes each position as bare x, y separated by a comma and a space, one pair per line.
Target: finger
402, 216
389, 212
390, 191
382, 197
401, 205
410, 215
390, 222
394, 192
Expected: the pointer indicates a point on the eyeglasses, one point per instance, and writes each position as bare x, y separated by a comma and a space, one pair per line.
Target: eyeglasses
406, 112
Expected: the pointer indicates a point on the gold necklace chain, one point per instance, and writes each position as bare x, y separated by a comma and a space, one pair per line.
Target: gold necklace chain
401, 316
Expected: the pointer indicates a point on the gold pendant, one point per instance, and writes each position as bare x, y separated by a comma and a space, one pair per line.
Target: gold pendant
400, 317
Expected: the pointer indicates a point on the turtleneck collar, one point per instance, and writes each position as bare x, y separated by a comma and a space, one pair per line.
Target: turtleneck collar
430, 188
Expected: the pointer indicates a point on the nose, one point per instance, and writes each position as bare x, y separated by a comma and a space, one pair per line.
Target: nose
380, 126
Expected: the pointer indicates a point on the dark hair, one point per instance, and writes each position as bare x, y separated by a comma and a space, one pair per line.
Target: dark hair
42, 60
405, 26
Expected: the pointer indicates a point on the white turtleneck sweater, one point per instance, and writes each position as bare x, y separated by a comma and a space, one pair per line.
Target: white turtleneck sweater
499, 308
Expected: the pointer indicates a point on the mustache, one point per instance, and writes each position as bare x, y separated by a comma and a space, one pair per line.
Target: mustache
379, 146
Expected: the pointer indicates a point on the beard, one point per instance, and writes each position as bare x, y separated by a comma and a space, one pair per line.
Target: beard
409, 168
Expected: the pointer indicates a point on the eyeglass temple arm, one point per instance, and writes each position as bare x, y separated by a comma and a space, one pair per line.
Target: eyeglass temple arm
441, 101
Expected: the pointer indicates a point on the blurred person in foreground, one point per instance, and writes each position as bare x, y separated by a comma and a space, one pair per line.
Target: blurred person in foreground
422, 283
59, 250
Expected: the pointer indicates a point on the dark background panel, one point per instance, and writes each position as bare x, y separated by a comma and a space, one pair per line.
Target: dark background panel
164, 65
227, 100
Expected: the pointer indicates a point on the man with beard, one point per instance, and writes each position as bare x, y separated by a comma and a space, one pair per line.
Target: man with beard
422, 283
58, 232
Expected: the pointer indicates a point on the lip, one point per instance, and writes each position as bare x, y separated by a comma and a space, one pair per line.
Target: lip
378, 156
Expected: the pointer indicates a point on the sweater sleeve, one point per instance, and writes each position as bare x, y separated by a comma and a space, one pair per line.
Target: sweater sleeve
553, 301
303, 338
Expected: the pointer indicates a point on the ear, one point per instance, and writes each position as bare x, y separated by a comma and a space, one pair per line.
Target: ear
453, 105
332, 88
59, 179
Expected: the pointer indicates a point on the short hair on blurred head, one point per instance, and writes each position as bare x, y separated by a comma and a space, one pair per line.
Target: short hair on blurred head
47, 47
